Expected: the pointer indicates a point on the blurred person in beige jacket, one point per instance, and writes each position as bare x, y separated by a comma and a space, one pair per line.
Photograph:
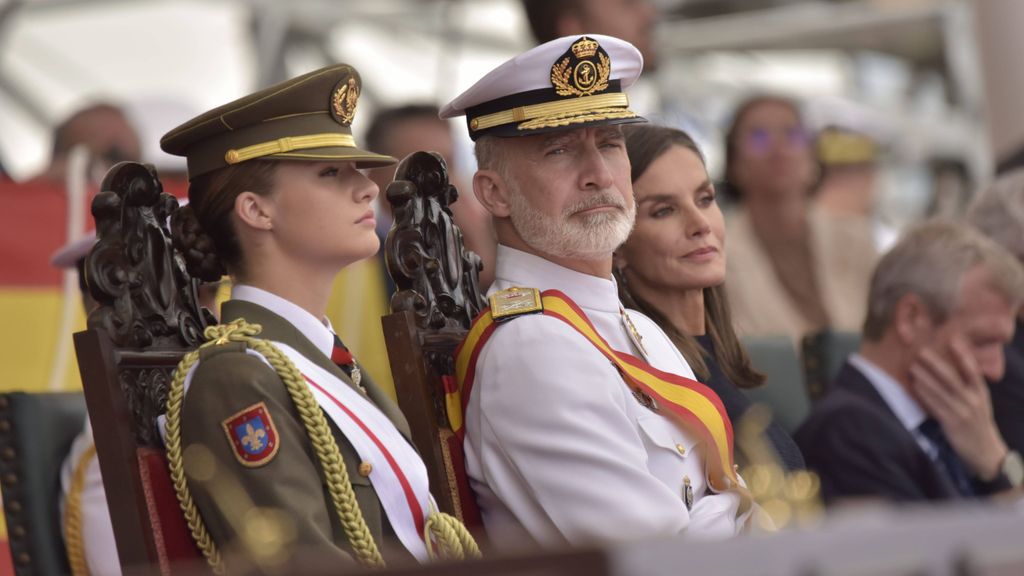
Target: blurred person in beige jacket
792, 268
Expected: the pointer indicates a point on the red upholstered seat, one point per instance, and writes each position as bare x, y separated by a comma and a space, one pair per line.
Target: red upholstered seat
174, 543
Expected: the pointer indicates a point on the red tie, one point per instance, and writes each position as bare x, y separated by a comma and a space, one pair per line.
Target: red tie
342, 357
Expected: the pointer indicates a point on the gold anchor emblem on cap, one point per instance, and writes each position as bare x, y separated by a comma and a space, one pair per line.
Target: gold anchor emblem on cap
583, 70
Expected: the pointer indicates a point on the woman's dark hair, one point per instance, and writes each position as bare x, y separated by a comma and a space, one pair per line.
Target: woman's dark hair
203, 231
729, 187
645, 143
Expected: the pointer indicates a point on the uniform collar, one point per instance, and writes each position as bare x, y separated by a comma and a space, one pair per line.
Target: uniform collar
518, 268
902, 404
319, 332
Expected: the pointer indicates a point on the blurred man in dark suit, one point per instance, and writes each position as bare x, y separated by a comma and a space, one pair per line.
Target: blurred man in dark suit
999, 213
909, 417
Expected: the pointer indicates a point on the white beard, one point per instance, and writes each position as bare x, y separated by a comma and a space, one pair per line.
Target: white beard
590, 237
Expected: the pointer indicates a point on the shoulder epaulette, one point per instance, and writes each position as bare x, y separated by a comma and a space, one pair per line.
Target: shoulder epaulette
513, 302
207, 352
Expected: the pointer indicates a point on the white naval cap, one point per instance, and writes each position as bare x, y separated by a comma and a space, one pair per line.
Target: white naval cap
69, 254
566, 83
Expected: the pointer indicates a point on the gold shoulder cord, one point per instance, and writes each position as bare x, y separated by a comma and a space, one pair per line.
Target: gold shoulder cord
74, 542
454, 541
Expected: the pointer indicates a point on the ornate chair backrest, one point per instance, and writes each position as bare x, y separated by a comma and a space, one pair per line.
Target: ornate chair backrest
147, 318
437, 296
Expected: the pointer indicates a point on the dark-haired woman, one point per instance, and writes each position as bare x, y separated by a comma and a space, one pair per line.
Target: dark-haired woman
278, 201
672, 268
793, 268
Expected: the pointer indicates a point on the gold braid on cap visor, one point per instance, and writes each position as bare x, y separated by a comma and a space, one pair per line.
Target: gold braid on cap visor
561, 107
288, 144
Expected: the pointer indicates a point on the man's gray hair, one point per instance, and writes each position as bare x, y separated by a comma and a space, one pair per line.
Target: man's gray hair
931, 261
999, 212
490, 154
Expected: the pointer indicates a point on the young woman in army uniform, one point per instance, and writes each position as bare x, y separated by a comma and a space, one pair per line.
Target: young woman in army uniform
263, 412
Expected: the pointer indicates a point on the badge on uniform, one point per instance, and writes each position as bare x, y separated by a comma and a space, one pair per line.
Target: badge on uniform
645, 399
513, 302
252, 435
343, 101
687, 493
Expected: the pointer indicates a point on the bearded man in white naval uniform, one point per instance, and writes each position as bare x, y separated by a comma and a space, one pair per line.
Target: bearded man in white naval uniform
558, 448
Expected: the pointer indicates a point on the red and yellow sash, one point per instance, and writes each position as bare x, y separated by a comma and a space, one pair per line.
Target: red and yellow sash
691, 404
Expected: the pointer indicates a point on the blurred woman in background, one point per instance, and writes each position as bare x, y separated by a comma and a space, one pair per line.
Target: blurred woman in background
672, 268
792, 269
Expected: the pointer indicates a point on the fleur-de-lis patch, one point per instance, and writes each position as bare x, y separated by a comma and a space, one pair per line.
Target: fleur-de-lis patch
252, 435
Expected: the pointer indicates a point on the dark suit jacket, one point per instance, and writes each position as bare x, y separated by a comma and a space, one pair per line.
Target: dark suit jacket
1008, 394
860, 449
227, 381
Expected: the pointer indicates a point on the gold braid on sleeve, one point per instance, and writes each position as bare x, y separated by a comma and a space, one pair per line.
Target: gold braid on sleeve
73, 540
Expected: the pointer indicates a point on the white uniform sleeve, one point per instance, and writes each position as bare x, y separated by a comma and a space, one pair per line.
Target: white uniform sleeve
97, 530
556, 441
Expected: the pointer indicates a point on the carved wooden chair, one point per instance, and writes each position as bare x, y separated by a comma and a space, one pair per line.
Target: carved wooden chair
148, 317
437, 296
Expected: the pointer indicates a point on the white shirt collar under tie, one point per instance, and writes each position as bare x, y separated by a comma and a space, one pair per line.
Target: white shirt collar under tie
319, 332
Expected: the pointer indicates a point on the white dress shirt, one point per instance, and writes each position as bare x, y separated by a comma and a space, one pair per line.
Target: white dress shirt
318, 331
557, 448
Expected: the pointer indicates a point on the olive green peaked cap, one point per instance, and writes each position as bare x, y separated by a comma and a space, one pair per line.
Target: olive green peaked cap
308, 118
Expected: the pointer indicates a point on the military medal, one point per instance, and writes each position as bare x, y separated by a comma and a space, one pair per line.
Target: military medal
634, 336
687, 493
645, 400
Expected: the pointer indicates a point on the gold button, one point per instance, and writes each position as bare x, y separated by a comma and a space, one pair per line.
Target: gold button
365, 469
681, 449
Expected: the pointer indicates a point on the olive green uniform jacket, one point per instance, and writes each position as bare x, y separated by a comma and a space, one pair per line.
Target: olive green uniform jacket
229, 381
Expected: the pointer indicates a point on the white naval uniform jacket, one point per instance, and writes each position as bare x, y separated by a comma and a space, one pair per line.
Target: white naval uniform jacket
97, 530
557, 448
